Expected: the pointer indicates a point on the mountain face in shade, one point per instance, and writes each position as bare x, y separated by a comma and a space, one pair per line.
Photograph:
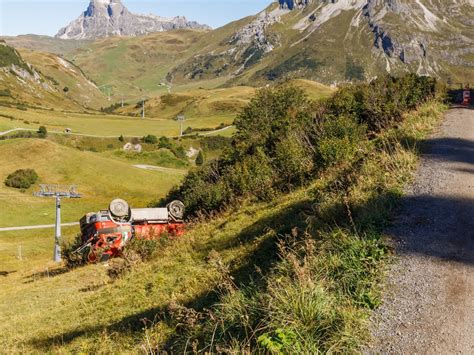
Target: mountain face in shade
104, 18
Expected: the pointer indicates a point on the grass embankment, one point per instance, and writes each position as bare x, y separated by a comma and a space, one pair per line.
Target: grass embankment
328, 291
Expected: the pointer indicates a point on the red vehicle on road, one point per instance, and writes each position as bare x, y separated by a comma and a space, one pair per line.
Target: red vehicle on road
105, 233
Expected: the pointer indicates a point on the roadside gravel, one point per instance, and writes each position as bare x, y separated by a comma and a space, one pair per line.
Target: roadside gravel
429, 303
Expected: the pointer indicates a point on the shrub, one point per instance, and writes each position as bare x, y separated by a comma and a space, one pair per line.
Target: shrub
121, 139
215, 142
42, 132
202, 190
293, 161
69, 254
200, 158
164, 142
66, 89
252, 176
283, 139
21, 179
179, 152
338, 140
188, 130
5, 93
150, 139
269, 117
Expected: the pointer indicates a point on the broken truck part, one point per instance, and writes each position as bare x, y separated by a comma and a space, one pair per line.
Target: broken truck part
106, 233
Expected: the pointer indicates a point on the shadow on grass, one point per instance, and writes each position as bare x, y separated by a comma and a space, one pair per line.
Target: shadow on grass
46, 274
262, 237
6, 273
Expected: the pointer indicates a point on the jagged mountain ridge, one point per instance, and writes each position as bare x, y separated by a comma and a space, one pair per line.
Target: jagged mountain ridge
337, 40
104, 18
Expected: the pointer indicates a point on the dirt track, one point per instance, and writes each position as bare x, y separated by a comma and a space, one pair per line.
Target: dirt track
429, 307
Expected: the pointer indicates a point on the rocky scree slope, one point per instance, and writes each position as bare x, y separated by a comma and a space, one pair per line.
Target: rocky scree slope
104, 18
339, 40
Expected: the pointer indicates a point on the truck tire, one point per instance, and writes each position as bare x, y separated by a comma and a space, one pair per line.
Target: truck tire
176, 210
119, 208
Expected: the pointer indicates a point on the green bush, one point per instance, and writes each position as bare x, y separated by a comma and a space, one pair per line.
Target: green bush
165, 142
215, 142
150, 139
179, 152
338, 139
252, 176
202, 190
21, 179
42, 132
293, 161
283, 139
200, 158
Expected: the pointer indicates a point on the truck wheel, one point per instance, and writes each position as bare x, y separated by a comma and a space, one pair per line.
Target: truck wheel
119, 208
176, 210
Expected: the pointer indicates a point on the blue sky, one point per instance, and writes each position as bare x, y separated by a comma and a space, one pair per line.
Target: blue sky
46, 17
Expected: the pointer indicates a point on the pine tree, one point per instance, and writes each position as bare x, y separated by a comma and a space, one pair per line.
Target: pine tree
200, 158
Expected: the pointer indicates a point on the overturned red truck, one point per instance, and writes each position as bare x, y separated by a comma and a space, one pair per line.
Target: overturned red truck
105, 233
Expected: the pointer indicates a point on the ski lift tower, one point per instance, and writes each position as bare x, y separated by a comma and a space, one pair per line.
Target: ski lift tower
58, 191
181, 119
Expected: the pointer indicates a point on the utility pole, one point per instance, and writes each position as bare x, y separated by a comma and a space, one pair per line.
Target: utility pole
181, 119
58, 192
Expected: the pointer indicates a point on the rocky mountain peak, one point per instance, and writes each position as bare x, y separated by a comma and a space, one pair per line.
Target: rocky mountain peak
105, 7
104, 18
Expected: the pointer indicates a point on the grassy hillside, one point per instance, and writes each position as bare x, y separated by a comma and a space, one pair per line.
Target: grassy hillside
66, 76
43, 308
135, 66
292, 264
203, 109
198, 103
43, 80
100, 124
100, 179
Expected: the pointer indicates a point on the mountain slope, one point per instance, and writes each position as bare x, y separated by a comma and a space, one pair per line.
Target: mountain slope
104, 18
135, 66
67, 77
23, 84
333, 41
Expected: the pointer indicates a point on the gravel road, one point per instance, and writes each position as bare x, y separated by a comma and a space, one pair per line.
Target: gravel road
429, 306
